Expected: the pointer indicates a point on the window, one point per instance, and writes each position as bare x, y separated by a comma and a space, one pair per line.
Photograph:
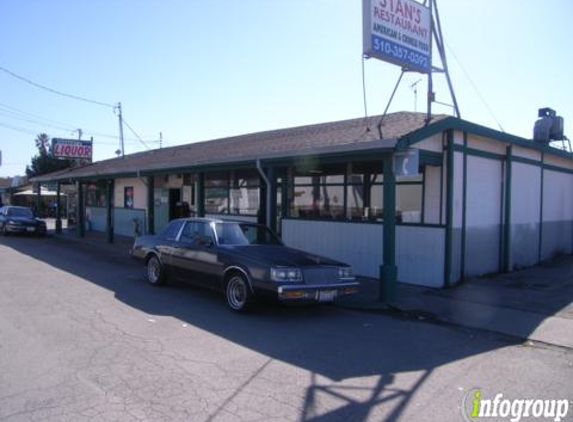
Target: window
319, 192
236, 192
170, 232
217, 193
244, 193
244, 234
95, 195
353, 191
194, 230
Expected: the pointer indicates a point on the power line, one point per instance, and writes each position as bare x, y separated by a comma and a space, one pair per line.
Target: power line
54, 91
475, 87
136, 135
18, 114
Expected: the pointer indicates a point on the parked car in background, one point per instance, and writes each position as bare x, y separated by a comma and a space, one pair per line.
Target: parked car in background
243, 260
20, 220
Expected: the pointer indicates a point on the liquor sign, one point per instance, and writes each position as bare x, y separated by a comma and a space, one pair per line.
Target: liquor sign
398, 32
72, 149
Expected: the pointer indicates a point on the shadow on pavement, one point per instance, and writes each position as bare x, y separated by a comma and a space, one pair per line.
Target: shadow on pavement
323, 340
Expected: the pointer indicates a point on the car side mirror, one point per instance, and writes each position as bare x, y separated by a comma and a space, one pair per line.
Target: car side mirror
205, 241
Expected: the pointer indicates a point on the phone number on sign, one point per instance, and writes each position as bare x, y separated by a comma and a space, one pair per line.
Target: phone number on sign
397, 52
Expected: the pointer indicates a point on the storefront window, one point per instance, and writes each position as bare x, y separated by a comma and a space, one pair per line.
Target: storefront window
95, 195
319, 192
244, 194
324, 192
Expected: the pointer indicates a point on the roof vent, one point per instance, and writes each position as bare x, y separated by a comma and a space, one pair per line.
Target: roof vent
549, 127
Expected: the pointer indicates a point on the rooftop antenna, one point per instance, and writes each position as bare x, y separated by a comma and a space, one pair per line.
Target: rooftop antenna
414, 87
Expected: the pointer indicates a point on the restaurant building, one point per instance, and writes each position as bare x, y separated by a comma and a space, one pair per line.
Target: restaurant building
478, 201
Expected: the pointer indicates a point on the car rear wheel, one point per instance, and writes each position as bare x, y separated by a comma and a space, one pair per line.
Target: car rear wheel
239, 295
155, 272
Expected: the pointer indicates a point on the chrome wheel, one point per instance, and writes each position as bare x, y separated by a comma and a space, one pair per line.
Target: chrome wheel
154, 271
238, 294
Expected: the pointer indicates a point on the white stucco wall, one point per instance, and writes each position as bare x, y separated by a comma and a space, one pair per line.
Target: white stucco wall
525, 214
484, 144
483, 216
139, 192
557, 229
419, 250
432, 195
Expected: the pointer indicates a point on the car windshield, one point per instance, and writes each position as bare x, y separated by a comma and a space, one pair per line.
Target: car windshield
20, 212
244, 234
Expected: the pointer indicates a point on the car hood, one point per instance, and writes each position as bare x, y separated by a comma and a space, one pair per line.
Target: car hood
23, 220
282, 256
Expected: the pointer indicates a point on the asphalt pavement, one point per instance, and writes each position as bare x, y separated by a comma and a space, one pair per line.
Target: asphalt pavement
83, 337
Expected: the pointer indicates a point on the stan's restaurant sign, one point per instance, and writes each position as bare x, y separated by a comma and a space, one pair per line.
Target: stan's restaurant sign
72, 149
399, 32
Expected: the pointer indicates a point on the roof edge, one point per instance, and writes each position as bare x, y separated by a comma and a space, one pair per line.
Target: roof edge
455, 123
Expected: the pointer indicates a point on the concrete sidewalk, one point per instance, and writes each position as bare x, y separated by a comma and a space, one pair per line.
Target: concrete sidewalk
531, 304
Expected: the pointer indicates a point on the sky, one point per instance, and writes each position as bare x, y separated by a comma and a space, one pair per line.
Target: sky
197, 70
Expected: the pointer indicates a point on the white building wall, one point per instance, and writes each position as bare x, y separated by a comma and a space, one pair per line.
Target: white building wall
484, 144
525, 214
483, 216
139, 192
433, 143
557, 229
419, 250
526, 153
432, 195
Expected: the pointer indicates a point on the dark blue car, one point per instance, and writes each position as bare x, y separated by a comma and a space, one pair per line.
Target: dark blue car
20, 220
244, 260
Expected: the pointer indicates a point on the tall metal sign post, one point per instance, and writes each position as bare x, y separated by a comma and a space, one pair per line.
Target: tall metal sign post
403, 33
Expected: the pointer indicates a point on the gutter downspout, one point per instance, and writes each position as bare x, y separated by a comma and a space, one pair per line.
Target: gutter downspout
268, 195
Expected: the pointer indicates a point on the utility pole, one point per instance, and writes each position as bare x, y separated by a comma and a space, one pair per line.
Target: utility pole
121, 146
160, 140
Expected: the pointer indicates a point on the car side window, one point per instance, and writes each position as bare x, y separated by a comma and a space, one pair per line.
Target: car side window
195, 230
171, 231
189, 233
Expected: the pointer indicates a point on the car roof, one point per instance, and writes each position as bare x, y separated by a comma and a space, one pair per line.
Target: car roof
17, 206
213, 220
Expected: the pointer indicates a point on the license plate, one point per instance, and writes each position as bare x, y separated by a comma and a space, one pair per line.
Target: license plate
30, 229
326, 295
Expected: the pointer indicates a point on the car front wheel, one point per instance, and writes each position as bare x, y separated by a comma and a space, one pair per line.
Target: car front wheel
155, 272
239, 295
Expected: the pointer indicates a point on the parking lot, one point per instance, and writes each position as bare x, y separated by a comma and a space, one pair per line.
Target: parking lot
83, 337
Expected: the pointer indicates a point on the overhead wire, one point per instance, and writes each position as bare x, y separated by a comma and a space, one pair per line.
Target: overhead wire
74, 97
18, 114
54, 91
474, 86
136, 135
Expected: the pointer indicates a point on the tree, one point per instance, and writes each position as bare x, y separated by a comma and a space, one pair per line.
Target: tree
44, 162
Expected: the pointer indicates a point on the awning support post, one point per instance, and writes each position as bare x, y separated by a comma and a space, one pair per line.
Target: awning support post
80, 211
58, 209
389, 270
109, 230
